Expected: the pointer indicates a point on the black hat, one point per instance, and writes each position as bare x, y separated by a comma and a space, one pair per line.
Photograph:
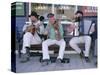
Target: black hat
50, 15
41, 18
33, 13
80, 12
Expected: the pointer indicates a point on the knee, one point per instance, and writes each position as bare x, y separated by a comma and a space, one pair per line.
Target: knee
64, 43
88, 38
71, 42
44, 43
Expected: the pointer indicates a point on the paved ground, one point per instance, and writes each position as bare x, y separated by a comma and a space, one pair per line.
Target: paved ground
35, 66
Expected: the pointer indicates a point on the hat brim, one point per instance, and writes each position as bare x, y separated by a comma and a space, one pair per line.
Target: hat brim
50, 15
29, 15
33, 15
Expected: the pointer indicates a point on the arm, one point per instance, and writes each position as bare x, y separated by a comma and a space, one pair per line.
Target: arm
61, 30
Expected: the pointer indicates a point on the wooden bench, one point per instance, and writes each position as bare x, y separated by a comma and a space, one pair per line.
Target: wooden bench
36, 48
54, 47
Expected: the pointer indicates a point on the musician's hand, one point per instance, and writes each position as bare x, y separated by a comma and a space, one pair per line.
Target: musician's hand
33, 30
37, 26
71, 28
45, 33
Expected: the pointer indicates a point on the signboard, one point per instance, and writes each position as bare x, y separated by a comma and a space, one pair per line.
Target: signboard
18, 9
89, 11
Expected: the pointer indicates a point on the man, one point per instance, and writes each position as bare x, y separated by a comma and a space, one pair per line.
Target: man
55, 32
34, 17
80, 37
27, 41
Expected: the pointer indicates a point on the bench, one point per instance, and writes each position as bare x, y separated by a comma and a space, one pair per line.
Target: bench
36, 50
54, 47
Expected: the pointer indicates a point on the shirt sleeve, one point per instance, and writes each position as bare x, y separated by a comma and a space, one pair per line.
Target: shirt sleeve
38, 24
61, 30
24, 28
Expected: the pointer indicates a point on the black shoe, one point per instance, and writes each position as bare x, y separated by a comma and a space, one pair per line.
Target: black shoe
46, 62
59, 60
81, 54
87, 59
24, 58
96, 63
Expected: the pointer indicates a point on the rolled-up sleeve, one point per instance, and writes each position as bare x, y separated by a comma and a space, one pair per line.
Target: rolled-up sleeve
61, 30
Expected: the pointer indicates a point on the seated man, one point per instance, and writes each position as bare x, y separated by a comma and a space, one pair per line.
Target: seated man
34, 20
80, 38
54, 31
28, 39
